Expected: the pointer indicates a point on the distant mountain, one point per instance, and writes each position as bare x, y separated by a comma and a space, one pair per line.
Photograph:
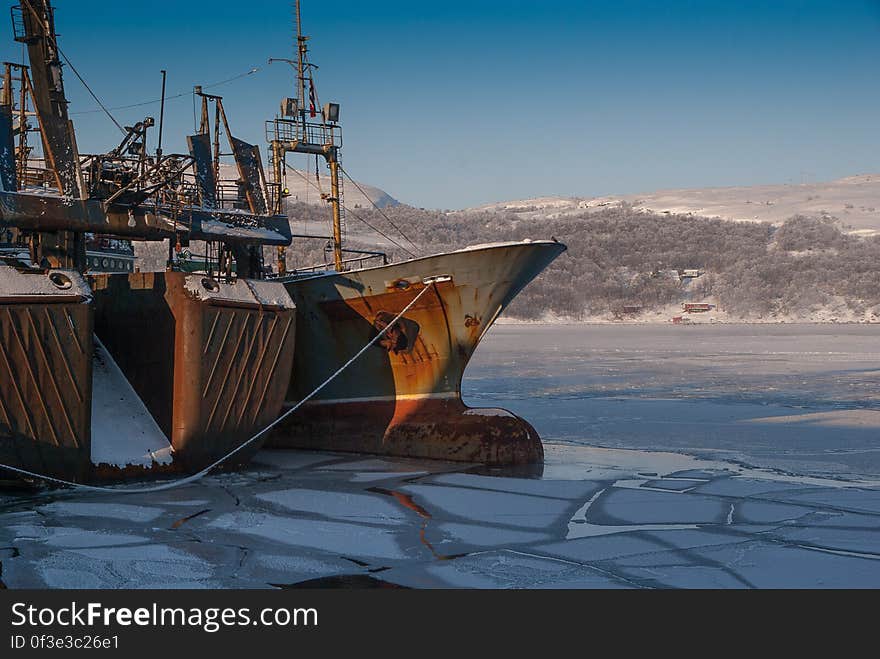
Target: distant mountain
854, 200
304, 187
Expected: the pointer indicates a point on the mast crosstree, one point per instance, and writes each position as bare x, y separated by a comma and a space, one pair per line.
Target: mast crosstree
295, 130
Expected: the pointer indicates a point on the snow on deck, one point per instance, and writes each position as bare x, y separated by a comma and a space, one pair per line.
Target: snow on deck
15, 282
226, 230
247, 291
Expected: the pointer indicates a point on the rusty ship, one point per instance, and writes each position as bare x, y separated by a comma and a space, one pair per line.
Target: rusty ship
106, 372
404, 397
109, 372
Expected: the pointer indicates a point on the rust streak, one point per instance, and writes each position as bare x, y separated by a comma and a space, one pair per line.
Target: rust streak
73, 332
259, 368
219, 354
6, 413
271, 373
231, 361
62, 354
50, 373
445, 315
364, 307
13, 380
37, 389
211, 333
241, 377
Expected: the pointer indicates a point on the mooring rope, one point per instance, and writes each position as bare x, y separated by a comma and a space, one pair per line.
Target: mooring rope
197, 476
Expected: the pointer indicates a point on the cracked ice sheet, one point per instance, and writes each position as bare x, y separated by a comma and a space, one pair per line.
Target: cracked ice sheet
498, 508
855, 500
337, 538
766, 565
262, 570
503, 569
56, 546
601, 547
572, 462
673, 485
339, 505
653, 547
92, 565
763, 512
455, 538
747, 487
578, 462
633, 506
401, 466
714, 560
289, 460
558, 489
683, 576
102, 510
374, 476
61, 536
845, 520
860, 541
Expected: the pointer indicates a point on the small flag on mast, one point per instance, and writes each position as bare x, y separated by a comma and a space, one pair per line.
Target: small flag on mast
313, 112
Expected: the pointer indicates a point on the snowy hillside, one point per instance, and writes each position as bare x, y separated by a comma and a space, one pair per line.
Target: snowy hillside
854, 200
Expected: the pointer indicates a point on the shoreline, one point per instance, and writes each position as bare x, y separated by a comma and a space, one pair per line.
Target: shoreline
694, 323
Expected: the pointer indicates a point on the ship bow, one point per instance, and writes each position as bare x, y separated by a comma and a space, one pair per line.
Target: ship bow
402, 397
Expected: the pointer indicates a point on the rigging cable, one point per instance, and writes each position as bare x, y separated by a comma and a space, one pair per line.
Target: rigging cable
174, 96
381, 212
89, 89
358, 217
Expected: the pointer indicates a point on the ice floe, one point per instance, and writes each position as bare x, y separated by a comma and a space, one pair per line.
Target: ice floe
594, 519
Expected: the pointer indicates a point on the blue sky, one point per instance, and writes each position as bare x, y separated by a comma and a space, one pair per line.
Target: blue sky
453, 104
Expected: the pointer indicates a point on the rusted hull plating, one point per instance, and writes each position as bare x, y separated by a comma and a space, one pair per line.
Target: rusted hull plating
403, 396
45, 372
207, 358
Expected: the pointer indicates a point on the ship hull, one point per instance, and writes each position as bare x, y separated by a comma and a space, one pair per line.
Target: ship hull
45, 372
124, 376
208, 359
402, 397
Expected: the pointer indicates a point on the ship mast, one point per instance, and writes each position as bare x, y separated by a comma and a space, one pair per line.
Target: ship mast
295, 133
301, 49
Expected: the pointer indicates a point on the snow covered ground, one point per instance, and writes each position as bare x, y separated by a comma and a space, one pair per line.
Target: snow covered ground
762, 472
854, 200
